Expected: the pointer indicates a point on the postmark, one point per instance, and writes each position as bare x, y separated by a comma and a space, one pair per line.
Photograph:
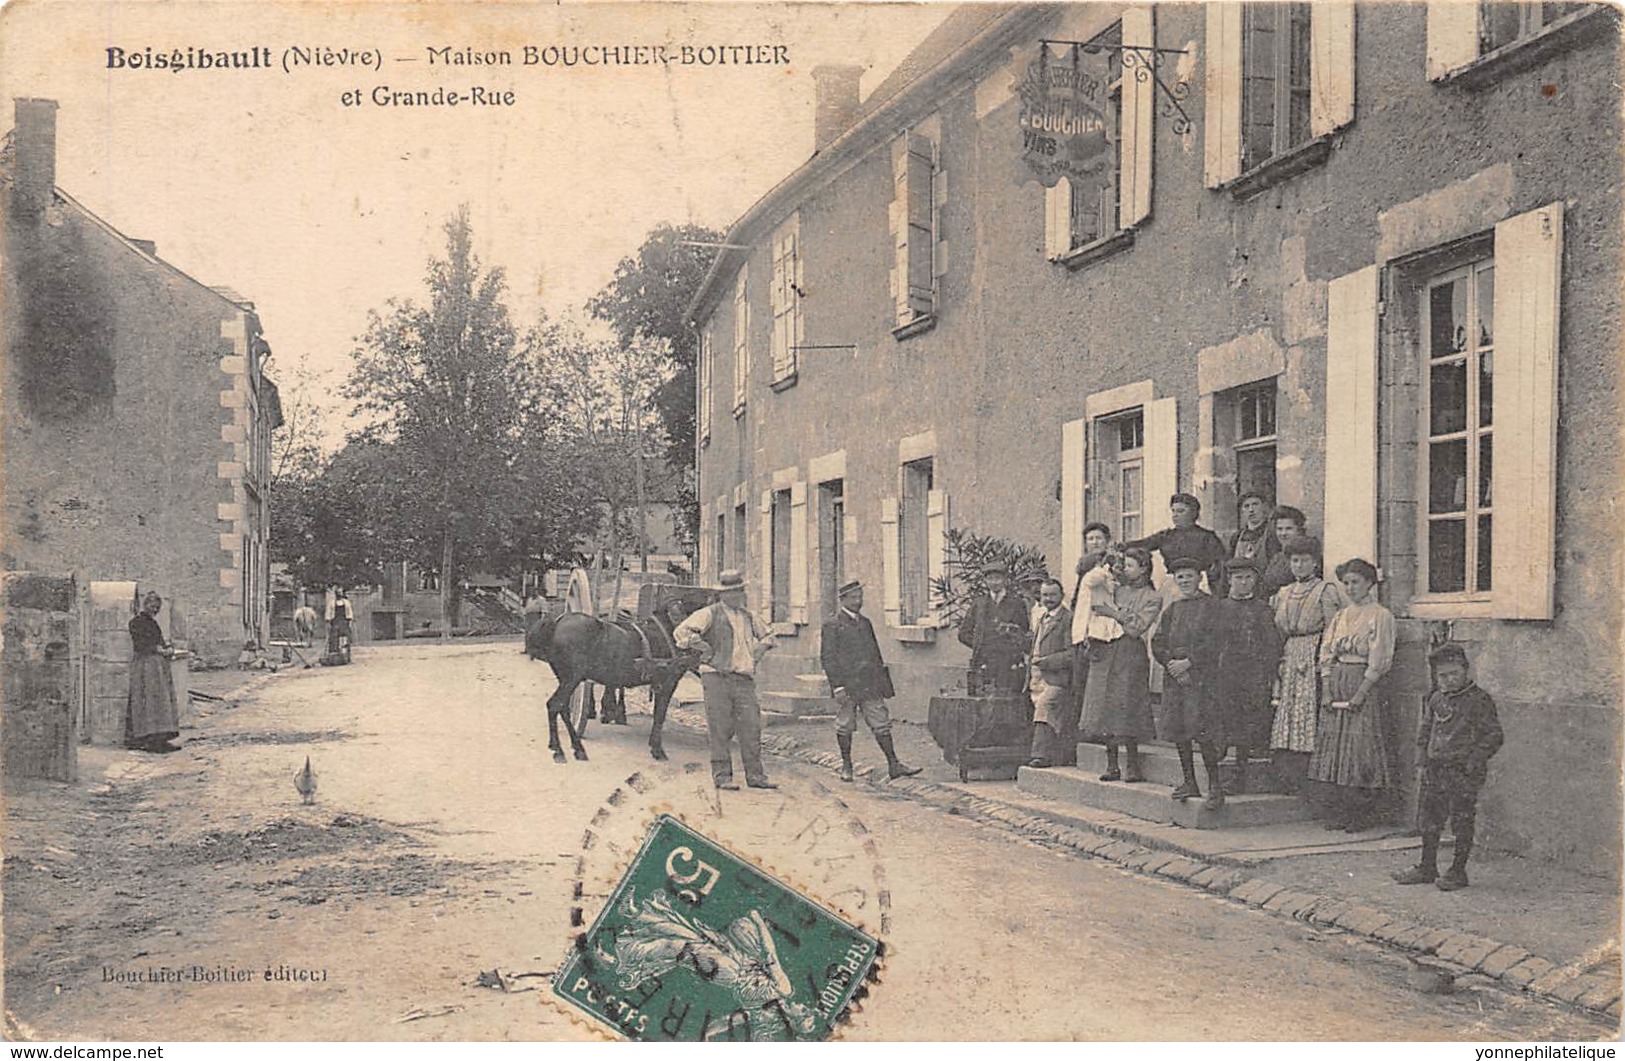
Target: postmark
697, 944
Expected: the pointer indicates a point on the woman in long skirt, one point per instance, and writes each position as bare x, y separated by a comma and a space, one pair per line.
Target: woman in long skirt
1304, 608
152, 718
1117, 703
1351, 741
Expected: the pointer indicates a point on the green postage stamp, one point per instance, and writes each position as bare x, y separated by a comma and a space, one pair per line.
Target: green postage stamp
696, 944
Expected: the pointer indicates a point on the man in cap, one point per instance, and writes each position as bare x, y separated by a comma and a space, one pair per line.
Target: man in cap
730, 642
995, 630
1249, 655
858, 680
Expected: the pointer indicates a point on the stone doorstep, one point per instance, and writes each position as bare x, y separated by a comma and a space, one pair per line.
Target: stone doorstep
1160, 765
1150, 801
1156, 855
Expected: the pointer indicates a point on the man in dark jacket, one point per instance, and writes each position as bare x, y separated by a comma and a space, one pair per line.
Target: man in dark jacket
858, 680
995, 631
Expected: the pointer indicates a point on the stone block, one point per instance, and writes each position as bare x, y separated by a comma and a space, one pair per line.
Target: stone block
1601, 995
1552, 981
1497, 962
1398, 932
1207, 876
1365, 920
1433, 939
1573, 990
1141, 859
46, 593
1527, 971
1467, 949
1258, 891
1292, 260
1303, 311
1181, 868
1327, 911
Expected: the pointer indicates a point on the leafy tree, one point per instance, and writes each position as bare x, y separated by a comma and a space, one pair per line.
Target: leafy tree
649, 297
450, 393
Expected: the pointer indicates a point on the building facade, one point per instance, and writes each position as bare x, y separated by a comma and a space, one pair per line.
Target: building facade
137, 413
1363, 259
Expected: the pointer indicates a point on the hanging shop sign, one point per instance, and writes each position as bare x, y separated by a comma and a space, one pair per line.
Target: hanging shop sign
1064, 128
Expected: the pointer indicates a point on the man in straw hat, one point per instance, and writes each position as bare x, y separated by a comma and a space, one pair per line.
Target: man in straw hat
859, 680
730, 642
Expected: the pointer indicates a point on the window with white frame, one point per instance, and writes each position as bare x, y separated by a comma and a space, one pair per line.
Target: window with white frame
1127, 436
1457, 330
1279, 78
741, 338
1460, 33
914, 538
787, 292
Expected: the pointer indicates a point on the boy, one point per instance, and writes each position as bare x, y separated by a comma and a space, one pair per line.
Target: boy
1186, 645
1456, 737
1249, 653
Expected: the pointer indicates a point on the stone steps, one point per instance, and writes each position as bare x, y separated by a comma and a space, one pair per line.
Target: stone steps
1150, 801
1160, 765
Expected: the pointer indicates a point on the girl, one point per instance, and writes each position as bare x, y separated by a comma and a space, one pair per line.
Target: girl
1117, 700
1351, 744
1304, 608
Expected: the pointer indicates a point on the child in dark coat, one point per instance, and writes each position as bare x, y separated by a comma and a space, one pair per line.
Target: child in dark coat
1249, 657
1459, 732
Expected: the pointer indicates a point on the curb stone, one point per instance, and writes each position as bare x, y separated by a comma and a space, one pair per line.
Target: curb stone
1510, 965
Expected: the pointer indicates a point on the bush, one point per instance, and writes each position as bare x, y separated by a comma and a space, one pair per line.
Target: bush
964, 554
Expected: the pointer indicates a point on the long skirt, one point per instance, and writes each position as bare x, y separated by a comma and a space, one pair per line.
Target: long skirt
1117, 700
152, 714
1351, 746
1294, 727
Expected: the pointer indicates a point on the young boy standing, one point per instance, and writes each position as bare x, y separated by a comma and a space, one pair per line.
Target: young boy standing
1458, 734
1249, 654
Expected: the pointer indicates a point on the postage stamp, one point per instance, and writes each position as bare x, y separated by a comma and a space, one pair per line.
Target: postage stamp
696, 944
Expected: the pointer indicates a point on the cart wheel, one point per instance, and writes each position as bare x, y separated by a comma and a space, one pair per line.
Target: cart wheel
581, 706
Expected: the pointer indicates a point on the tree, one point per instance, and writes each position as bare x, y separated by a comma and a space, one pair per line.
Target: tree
451, 392
649, 297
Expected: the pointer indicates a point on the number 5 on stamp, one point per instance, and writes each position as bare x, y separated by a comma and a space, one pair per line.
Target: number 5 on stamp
696, 944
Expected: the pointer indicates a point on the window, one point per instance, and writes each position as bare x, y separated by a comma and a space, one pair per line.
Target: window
1084, 210
739, 538
787, 293
1477, 43
1458, 334
1254, 441
831, 541
915, 227
779, 546
1129, 433
914, 540
1500, 24
741, 338
428, 581
1275, 80
1279, 81
704, 369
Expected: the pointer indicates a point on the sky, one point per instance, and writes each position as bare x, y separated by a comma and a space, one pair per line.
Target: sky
267, 181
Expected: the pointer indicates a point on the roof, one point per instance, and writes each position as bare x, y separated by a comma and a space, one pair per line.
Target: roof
972, 34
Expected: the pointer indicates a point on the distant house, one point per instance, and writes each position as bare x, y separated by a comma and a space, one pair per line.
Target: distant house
137, 415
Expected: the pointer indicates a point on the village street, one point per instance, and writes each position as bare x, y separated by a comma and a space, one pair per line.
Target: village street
444, 842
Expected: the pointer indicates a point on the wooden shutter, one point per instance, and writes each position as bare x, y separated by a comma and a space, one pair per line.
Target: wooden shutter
1073, 433
705, 372
1161, 466
936, 553
764, 603
741, 335
1221, 131
1058, 219
798, 552
1350, 523
1331, 66
891, 562
1452, 36
1523, 498
939, 199
1139, 113
798, 317
913, 158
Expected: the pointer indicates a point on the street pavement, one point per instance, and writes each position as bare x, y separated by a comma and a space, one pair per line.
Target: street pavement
444, 842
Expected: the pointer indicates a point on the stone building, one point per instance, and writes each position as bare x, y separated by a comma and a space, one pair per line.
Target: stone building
1361, 258
137, 414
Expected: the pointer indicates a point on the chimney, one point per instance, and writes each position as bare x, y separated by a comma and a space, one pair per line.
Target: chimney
34, 151
835, 95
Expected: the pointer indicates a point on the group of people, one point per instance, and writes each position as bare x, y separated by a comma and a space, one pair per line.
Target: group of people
1271, 658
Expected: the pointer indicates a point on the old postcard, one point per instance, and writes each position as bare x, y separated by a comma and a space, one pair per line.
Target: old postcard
706, 521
